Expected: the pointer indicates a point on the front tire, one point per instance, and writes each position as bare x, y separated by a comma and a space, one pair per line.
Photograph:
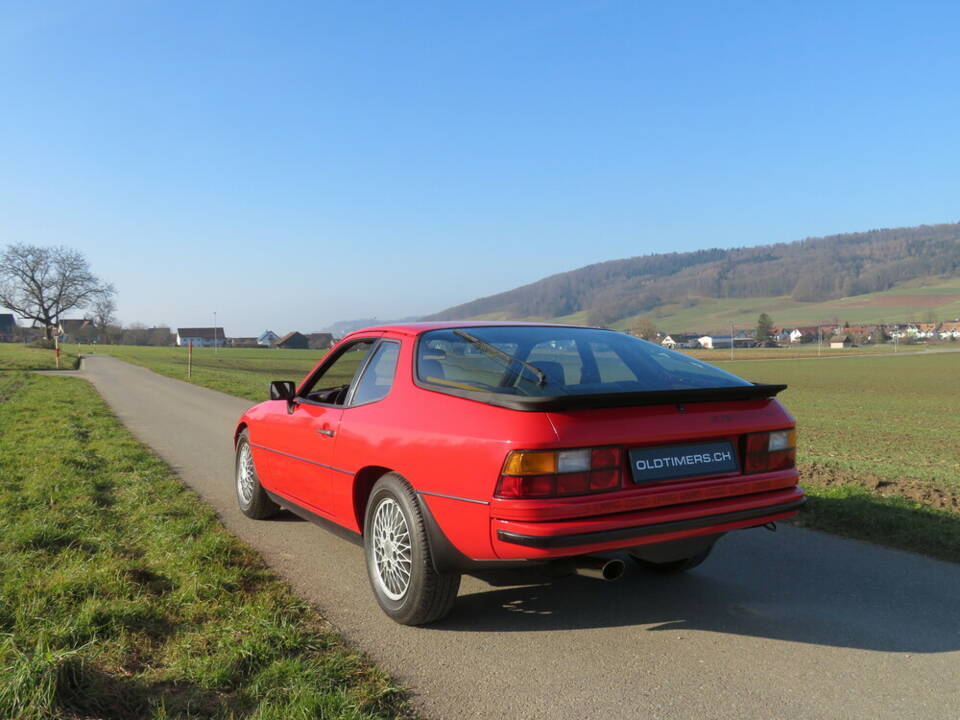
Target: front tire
251, 497
397, 550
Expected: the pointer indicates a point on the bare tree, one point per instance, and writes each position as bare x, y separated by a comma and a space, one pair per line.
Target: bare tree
104, 309
41, 284
645, 328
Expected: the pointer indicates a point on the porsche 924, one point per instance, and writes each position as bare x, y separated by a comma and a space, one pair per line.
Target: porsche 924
455, 448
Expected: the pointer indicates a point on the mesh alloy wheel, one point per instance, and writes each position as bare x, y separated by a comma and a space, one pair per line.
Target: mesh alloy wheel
246, 475
391, 547
253, 500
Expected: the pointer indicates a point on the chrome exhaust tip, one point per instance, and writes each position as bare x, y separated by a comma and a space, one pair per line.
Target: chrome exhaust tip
608, 569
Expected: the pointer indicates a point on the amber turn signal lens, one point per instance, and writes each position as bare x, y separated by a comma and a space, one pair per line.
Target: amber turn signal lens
531, 463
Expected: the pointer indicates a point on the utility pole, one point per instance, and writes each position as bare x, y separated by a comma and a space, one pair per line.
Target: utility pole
731, 341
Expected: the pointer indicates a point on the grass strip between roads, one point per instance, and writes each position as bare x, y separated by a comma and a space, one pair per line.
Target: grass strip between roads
122, 595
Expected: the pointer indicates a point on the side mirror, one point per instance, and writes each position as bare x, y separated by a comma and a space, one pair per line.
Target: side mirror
282, 390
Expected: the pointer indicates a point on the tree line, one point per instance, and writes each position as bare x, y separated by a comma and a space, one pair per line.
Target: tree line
810, 270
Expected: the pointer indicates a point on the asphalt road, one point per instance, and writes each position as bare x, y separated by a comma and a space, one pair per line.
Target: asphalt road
796, 624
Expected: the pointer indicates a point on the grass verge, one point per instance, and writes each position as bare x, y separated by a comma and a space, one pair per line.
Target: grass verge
122, 596
18, 356
894, 521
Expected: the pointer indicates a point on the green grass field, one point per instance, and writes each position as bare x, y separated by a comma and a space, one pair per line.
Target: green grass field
122, 596
17, 356
242, 372
877, 445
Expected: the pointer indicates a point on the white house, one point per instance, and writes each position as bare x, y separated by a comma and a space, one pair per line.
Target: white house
267, 338
668, 342
200, 337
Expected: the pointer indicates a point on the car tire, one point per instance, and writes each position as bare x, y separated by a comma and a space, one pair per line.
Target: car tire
399, 564
673, 566
251, 497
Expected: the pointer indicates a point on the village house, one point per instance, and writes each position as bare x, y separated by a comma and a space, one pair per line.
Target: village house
319, 340
841, 341
668, 342
267, 338
8, 327
928, 329
201, 337
950, 330
865, 333
293, 340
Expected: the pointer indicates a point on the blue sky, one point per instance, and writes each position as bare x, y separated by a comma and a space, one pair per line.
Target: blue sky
292, 164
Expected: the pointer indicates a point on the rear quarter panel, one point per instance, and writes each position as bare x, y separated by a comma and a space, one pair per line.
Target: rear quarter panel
442, 445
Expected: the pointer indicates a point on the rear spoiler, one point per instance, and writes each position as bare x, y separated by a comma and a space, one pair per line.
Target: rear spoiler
560, 403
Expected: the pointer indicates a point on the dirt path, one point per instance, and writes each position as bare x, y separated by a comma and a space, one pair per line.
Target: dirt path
796, 624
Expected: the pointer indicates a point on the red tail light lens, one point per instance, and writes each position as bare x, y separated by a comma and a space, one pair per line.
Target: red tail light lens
768, 451
559, 473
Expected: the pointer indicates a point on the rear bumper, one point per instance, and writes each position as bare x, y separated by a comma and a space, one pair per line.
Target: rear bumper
513, 539
712, 522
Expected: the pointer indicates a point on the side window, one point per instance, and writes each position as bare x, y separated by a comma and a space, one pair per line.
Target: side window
331, 386
377, 378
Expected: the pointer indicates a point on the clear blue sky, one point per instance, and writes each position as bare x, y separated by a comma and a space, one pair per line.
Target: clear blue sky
292, 164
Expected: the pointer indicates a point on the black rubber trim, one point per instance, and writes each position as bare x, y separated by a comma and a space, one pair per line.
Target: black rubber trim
448, 559
324, 522
560, 541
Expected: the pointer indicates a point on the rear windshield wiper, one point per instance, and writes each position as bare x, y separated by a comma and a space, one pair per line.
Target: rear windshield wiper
496, 352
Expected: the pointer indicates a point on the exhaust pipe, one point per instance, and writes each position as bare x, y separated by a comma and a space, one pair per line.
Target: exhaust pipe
599, 567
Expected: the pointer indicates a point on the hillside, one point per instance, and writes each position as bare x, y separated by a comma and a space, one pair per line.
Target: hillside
817, 278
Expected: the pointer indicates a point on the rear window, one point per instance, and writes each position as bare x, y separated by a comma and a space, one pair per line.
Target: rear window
550, 361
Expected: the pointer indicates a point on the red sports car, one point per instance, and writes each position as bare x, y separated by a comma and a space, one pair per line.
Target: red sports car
470, 447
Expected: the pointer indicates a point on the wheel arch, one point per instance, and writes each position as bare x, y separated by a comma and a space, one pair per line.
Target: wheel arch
363, 483
236, 433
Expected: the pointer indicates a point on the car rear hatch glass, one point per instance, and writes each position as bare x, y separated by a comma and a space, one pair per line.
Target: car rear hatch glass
555, 367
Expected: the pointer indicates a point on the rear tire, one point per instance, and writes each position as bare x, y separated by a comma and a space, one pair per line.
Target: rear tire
251, 497
399, 564
674, 566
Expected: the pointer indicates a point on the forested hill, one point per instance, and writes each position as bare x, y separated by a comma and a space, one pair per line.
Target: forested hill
810, 270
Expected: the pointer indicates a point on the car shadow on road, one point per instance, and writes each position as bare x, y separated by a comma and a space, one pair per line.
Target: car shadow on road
809, 593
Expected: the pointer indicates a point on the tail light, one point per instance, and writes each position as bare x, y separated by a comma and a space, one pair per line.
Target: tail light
556, 473
769, 451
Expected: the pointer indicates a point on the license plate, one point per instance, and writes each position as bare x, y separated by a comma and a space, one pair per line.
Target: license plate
677, 461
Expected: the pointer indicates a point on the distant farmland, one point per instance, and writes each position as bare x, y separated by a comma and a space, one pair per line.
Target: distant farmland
913, 301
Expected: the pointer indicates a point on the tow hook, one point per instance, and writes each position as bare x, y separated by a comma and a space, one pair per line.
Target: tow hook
771, 526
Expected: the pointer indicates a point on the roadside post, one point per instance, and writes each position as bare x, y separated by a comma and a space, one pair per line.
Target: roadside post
189, 359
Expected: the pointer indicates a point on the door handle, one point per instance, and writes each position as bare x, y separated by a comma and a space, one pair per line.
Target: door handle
324, 431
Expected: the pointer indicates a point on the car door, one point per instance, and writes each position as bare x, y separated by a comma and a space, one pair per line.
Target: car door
303, 440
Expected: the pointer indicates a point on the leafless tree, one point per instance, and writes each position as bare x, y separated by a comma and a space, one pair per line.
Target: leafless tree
104, 309
645, 328
40, 283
